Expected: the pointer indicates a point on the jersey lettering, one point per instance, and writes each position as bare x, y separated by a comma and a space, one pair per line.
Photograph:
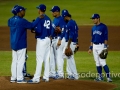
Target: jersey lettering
47, 24
97, 32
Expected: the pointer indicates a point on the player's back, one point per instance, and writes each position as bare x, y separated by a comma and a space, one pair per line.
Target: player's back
44, 27
18, 33
72, 29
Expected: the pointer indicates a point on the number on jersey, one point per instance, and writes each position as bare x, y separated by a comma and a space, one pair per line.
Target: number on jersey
47, 24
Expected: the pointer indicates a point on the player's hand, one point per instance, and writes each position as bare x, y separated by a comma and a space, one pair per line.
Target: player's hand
57, 30
76, 48
89, 51
59, 43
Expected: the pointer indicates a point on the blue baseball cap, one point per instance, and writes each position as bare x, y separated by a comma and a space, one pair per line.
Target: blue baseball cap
20, 8
65, 13
41, 7
55, 9
95, 16
14, 9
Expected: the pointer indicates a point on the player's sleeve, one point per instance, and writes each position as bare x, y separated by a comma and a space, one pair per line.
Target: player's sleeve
50, 32
71, 32
62, 25
30, 25
62, 33
92, 35
105, 33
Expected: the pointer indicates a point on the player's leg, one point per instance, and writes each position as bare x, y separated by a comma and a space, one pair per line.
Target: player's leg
59, 60
20, 64
98, 65
52, 60
25, 74
46, 61
14, 66
103, 63
40, 51
71, 66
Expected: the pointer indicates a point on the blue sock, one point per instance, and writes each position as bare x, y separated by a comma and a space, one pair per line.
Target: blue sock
99, 70
106, 68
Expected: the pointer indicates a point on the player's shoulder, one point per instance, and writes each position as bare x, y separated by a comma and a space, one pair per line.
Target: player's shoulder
11, 18
103, 25
47, 17
71, 22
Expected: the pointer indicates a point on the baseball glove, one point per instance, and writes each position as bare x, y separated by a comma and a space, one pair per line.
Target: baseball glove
57, 30
76, 48
103, 54
68, 52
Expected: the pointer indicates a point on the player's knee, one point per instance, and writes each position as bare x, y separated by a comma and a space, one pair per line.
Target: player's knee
98, 64
103, 63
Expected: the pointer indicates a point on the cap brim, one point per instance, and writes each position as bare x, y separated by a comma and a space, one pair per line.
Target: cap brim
51, 10
37, 7
92, 18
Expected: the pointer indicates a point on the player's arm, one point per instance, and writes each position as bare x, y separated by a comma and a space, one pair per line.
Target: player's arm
90, 47
106, 37
68, 51
91, 44
30, 25
61, 36
71, 34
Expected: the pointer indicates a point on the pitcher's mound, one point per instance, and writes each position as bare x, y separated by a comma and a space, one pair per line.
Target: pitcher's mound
56, 85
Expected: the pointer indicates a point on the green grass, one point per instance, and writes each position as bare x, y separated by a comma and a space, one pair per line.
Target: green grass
84, 62
81, 10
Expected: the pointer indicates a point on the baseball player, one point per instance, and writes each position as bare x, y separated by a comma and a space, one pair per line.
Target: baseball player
71, 36
43, 32
99, 41
18, 40
56, 46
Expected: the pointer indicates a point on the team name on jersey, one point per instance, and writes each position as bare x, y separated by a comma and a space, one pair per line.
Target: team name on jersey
97, 32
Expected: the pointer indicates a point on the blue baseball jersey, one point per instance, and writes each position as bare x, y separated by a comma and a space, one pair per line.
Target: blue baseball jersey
58, 22
18, 31
76, 31
43, 28
71, 31
99, 33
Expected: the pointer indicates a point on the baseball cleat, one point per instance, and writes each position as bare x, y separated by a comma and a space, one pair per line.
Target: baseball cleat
98, 79
58, 77
21, 81
12, 81
109, 80
27, 75
52, 77
31, 81
45, 80
70, 77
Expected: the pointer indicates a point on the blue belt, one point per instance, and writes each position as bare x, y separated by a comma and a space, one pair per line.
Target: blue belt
96, 43
54, 37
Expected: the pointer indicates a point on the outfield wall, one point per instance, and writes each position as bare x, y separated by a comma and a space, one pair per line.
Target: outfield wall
84, 38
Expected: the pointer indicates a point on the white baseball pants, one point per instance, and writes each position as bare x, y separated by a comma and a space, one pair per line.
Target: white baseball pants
18, 60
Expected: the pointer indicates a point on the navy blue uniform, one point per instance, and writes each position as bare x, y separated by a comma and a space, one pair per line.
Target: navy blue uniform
18, 31
99, 33
43, 28
99, 40
71, 31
